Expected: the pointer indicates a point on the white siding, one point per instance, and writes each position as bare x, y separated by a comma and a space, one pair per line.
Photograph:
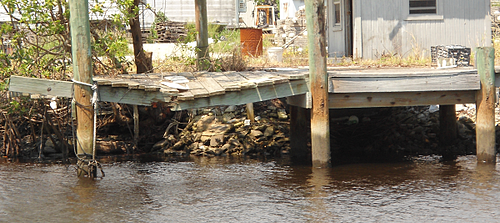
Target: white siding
386, 29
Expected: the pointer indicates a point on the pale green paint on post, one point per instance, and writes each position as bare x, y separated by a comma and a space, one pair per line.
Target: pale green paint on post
485, 105
82, 71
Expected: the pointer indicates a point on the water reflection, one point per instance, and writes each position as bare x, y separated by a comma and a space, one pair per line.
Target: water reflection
230, 189
319, 179
84, 193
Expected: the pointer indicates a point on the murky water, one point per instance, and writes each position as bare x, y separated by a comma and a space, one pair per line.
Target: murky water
239, 190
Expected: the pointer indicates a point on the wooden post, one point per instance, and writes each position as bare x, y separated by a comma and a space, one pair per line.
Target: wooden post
447, 130
299, 134
136, 124
82, 72
485, 106
202, 35
318, 78
250, 112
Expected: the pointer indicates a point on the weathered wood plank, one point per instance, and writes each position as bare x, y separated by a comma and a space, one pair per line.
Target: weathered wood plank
398, 72
294, 75
195, 88
102, 80
236, 77
210, 84
247, 95
225, 82
41, 86
366, 100
133, 97
468, 81
273, 76
185, 96
289, 73
257, 77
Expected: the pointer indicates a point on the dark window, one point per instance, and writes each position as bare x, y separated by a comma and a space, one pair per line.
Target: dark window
337, 13
423, 6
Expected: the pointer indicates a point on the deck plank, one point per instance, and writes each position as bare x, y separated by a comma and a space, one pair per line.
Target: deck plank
467, 81
237, 78
249, 95
398, 72
294, 75
257, 78
225, 82
209, 83
195, 88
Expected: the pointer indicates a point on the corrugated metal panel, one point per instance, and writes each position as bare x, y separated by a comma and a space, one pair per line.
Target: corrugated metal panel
386, 30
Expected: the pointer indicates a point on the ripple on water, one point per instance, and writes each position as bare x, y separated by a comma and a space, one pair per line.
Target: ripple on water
252, 191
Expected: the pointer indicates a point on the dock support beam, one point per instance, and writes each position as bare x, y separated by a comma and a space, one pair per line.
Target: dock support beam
485, 106
82, 72
318, 80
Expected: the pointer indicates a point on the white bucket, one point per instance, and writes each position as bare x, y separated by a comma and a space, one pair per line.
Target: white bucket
275, 54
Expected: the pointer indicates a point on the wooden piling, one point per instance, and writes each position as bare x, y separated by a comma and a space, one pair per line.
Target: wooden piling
202, 34
250, 112
82, 72
299, 134
485, 106
318, 80
136, 124
447, 131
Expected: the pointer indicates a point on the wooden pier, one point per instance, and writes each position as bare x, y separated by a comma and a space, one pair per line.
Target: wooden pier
347, 88
180, 90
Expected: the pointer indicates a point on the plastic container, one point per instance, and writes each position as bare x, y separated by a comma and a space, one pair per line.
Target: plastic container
275, 54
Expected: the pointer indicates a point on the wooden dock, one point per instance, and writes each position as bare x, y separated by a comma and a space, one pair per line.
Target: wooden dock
363, 88
180, 90
348, 88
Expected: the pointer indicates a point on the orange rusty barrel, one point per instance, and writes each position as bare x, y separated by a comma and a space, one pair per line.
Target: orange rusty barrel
251, 41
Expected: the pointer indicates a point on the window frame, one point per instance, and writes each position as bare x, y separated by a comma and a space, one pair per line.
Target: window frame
336, 24
425, 16
423, 8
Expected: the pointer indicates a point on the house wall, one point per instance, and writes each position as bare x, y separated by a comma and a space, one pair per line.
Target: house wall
384, 27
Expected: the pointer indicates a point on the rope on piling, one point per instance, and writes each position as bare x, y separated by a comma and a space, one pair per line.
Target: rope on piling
92, 164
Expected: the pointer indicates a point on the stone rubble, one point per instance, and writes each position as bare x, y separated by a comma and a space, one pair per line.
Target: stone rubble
222, 131
381, 132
